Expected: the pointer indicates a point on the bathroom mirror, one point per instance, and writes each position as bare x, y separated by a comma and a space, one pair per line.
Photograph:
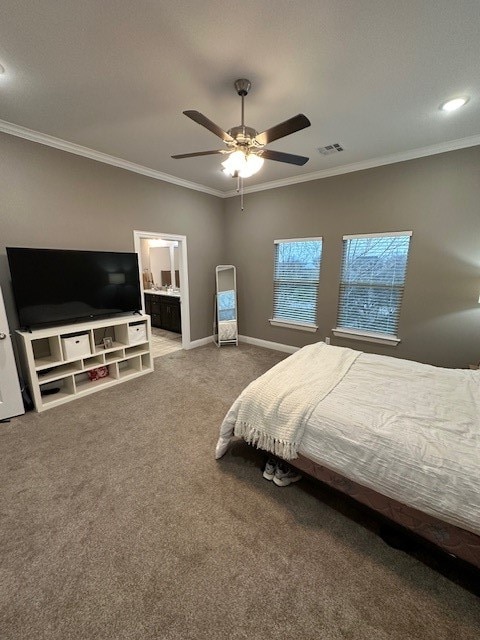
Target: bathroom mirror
225, 323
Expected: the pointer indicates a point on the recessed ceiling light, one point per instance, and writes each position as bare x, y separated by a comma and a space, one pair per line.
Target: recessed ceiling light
456, 103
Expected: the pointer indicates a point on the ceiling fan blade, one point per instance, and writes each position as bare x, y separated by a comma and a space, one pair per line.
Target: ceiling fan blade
297, 123
197, 153
199, 118
279, 156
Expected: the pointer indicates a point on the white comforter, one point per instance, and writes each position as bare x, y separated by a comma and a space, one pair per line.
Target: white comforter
407, 430
273, 411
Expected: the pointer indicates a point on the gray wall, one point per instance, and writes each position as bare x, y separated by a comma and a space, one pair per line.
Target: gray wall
53, 199
437, 197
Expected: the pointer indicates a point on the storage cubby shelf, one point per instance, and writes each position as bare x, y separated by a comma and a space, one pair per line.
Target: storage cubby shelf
114, 347
61, 371
52, 401
57, 360
91, 385
46, 363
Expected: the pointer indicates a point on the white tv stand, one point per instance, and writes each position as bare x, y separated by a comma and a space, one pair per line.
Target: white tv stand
56, 378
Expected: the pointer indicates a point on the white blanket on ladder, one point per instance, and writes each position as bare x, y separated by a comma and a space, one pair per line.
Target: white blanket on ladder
273, 410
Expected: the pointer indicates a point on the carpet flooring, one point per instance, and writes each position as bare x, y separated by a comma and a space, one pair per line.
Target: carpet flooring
118, 523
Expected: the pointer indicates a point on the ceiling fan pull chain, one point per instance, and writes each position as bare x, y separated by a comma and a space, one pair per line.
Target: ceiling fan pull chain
239, 189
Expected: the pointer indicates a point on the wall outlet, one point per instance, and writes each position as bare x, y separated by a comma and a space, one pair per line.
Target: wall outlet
327, 340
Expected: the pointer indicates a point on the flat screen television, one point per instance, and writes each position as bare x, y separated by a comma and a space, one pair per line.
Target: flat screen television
55, 286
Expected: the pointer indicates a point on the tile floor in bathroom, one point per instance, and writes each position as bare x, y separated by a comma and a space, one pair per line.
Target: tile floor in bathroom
164, 342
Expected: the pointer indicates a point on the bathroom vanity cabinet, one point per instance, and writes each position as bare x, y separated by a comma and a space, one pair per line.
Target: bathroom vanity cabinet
164, 311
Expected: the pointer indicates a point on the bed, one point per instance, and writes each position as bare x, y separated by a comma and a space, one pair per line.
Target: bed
399, 436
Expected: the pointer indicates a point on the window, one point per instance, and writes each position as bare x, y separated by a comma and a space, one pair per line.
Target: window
371, 286
295, 282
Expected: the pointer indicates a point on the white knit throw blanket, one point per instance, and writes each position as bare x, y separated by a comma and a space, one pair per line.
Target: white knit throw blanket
273, 410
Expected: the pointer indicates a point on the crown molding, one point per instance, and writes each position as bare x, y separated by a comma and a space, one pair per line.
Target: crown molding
442, 147
70, 147
86, 152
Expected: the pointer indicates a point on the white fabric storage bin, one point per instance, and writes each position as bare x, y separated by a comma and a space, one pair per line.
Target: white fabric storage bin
227, 330
137, 333
76, 347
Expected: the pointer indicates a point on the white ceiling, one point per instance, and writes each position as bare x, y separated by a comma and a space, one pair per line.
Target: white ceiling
115, 76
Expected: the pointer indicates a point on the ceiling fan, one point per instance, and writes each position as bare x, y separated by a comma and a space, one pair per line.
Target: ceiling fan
244, 146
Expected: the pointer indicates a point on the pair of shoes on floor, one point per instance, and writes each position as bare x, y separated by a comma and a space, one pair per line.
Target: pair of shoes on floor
281, 474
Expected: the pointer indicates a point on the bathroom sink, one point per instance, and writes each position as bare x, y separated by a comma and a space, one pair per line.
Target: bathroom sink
162, 292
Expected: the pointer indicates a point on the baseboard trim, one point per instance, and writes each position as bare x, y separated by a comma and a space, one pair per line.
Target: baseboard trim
199, 343
266, 344
276, 346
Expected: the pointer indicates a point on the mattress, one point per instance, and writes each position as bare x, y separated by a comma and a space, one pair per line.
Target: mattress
407, 430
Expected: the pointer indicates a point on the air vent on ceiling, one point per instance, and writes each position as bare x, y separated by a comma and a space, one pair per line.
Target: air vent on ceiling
330, 148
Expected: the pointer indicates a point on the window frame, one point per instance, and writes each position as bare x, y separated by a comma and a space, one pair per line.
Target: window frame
293, 324
366, 335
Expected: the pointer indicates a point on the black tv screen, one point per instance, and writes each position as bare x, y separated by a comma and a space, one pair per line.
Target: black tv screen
54, 286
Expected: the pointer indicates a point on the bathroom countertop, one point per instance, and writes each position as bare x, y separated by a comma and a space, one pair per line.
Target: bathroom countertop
156, 292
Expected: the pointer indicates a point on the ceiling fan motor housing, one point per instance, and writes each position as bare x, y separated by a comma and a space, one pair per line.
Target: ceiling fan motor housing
242, 86
243, 136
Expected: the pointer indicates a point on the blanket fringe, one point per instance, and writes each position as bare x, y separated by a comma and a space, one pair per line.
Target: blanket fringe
285, 450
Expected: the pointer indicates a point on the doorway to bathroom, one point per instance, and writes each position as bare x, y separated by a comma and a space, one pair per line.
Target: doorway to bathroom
163, 266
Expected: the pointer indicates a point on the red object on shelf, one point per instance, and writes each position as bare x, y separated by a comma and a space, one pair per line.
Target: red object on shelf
99, 372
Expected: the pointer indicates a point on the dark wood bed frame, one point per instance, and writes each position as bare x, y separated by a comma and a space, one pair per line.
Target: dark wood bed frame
455, 541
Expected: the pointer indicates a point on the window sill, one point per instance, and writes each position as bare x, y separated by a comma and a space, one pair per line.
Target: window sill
289, 324
379, 338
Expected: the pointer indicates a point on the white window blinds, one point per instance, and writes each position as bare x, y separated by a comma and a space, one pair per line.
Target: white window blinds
372, 282
296, 277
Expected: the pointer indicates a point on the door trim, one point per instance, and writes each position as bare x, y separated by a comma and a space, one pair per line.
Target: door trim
11, 403
183, 268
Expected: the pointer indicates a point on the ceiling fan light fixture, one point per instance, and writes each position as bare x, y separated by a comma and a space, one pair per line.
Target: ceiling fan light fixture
242, 165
